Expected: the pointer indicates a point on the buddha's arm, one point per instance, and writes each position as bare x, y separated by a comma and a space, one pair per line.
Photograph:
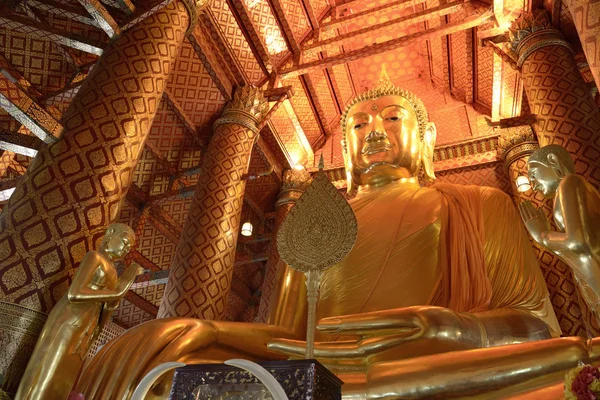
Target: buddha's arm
574, 209
288, 304
504, 370
79, 291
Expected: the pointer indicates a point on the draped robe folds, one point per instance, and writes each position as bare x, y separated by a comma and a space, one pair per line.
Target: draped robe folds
454, 246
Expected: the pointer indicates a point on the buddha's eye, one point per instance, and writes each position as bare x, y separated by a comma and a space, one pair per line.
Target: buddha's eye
360, 125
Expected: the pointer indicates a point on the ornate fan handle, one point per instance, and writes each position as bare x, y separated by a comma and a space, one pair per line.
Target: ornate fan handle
313, 281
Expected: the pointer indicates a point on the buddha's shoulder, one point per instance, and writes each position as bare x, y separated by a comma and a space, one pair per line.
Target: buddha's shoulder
495, 197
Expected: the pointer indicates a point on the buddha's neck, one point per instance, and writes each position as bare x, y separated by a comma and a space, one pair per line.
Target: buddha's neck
411, 183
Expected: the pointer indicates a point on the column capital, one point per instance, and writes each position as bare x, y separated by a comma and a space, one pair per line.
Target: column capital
246, 108
295, 182
194, 7
533, 31
515, 143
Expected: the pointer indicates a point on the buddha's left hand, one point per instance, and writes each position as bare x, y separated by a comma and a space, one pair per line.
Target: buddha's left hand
391, 334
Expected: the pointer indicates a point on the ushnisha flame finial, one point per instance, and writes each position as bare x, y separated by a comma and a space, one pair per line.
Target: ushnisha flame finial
385, 87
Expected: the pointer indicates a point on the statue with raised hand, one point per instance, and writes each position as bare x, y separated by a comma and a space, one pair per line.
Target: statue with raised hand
576, 213
79, 317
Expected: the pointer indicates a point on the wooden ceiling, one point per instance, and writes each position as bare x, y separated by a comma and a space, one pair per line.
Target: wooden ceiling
449, 53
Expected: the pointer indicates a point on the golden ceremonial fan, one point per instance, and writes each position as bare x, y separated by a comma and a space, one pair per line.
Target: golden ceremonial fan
319, 231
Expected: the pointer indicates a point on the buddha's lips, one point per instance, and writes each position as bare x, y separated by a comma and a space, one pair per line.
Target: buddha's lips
377, 147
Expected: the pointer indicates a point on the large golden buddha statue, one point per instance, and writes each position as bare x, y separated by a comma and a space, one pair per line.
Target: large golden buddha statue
441, 295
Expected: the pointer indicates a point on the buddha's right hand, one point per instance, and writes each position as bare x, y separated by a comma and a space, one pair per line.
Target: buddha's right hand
391, 335
534, 219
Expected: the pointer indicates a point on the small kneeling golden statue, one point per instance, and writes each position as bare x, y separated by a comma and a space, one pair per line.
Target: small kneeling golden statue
78, 318
576, 213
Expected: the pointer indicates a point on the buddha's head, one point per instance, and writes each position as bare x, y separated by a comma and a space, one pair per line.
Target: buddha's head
118, 241
547, 166
386, 136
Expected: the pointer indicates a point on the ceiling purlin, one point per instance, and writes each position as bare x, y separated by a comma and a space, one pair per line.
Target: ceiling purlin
259, 48
364, 14
473, 20
396, 24
101, 15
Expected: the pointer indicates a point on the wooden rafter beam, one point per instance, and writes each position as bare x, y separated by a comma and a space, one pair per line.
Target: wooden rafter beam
19, 143
313, 18
252, 34
556, 7
203, 49
124, 5
141, 303
7, 187
395, 24
153, 277
24, 109
144, 261
164, 223
215, 36
101, 15
393, 44
10, 72
505, 57
272, 159
64, 10
286, 28
182, 116
44, 32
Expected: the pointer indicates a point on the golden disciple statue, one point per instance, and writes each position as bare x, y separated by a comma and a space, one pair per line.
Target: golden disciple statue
78, 318
440, 296
576, 213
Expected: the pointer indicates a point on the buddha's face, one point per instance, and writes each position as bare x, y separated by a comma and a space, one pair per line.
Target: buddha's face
117, 244
383, 140
543, 178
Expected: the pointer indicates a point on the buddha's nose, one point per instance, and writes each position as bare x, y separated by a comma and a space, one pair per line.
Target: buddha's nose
375, 136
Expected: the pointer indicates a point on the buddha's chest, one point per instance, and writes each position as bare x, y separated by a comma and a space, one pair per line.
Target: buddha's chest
393, 264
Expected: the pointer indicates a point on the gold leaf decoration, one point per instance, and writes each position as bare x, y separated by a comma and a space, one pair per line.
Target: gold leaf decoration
320, 229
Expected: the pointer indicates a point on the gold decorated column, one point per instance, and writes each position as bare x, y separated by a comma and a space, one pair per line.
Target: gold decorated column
559, 97
586, 17
201, 272
282, 285
515, 146
74, 187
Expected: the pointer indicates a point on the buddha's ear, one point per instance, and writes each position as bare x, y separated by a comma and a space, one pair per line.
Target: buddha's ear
427, 146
